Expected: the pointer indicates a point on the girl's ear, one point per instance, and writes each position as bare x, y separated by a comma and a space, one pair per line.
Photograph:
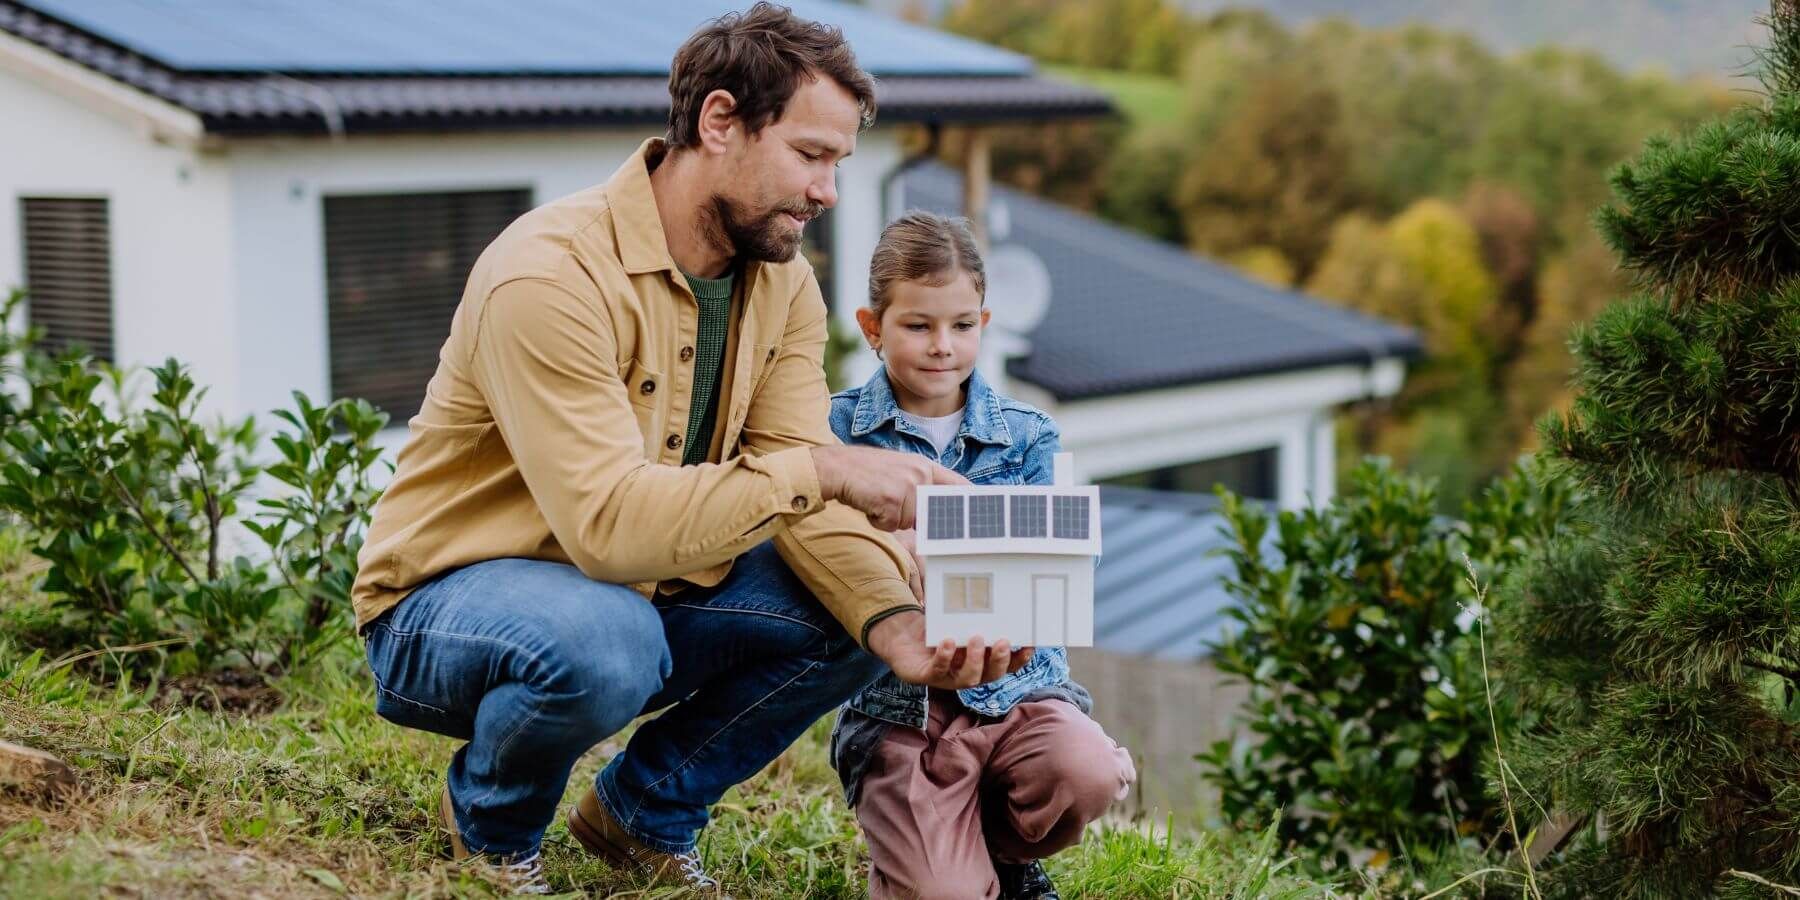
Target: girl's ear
985, 315
871, 327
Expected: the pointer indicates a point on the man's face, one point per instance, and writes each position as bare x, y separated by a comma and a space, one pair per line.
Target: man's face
776, 181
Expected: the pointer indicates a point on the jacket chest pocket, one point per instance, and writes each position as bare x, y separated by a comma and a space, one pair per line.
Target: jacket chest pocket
645, 388
995, 471
643, 384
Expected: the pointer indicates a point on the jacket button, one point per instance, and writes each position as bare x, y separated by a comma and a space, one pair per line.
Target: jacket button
799, 504
674, 442
687, 353
648, 387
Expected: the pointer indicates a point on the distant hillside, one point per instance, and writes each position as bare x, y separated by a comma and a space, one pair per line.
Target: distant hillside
1678, 36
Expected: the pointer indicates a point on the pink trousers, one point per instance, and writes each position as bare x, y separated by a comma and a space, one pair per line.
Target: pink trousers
935, 805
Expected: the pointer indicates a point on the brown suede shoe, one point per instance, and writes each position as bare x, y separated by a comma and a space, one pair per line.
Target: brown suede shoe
447, 813
594, 827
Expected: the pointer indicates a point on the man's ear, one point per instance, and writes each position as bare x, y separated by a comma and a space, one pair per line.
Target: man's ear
718, 120
870, 325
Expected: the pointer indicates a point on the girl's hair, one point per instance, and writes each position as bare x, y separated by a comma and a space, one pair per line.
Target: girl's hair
927, 248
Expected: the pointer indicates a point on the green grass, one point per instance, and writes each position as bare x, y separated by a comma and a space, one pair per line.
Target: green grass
321, 798
1144, 99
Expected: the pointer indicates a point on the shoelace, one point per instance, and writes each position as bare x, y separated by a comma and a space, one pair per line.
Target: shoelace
693, 872
525, 875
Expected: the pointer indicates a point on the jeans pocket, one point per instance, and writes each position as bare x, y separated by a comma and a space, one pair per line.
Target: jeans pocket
410, 714
402, 710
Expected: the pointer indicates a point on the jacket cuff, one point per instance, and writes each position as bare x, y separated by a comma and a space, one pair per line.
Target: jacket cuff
883, 605
796, 490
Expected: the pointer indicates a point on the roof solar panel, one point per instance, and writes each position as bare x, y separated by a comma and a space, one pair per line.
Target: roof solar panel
483, 37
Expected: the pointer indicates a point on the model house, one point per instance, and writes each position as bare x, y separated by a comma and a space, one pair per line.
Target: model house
1011, 561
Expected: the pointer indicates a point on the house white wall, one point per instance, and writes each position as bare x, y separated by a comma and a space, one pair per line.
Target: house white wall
1290, 411
168, 202
278, 186
278, 191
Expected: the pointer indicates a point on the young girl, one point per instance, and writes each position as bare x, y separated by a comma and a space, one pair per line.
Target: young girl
959, 794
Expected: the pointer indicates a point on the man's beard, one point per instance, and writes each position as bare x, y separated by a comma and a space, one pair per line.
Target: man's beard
765, 238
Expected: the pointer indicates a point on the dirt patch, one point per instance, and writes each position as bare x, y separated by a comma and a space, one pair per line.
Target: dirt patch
238, 691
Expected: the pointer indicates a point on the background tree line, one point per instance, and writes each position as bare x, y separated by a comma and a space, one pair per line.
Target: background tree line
1408, 172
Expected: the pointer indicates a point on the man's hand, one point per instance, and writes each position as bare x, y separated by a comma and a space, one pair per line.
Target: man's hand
879, 482
899, 640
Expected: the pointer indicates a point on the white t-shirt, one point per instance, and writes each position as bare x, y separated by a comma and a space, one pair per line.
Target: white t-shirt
940, 430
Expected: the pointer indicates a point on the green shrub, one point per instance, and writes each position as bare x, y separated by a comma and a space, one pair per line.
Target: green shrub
134, 507
1368, 718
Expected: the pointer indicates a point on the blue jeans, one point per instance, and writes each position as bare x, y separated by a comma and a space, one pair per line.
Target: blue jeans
533, 663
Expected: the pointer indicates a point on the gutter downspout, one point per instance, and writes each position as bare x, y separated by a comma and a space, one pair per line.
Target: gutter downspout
319, 97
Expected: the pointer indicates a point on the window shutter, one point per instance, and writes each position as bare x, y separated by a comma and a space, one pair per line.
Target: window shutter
68, 272
395, 266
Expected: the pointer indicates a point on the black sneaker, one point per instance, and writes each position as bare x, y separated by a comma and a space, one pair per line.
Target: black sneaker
1025, 881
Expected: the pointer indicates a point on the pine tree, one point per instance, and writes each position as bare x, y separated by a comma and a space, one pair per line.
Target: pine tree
1656, 648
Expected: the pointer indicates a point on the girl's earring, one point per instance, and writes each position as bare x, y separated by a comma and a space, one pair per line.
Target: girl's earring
877, 349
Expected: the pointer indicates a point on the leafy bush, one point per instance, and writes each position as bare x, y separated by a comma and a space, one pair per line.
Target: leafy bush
1368, 715
135, 508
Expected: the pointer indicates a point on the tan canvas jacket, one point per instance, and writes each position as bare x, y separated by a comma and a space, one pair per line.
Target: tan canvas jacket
553, 427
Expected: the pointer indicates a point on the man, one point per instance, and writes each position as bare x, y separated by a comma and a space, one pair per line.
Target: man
622, 491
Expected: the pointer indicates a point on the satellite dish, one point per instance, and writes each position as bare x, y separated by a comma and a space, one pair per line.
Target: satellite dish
1018, 288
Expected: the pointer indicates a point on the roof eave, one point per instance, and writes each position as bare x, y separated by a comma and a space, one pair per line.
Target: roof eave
1404, 350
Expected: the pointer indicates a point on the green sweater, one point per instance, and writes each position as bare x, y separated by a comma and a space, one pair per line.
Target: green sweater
714, 296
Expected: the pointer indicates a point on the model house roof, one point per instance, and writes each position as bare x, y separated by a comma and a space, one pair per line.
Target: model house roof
309, 66
1131, 313
1160, 589
1056, 520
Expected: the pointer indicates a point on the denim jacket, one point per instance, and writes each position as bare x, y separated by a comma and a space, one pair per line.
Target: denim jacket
1001, 441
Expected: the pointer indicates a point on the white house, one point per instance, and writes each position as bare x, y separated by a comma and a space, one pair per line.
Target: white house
289, 195
1013, 562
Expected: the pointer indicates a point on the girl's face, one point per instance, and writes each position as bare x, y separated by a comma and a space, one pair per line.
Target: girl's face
929, 337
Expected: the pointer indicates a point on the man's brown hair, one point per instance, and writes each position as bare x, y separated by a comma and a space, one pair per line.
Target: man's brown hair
761, 57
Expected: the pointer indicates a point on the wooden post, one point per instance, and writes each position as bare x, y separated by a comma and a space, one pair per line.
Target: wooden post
977, 172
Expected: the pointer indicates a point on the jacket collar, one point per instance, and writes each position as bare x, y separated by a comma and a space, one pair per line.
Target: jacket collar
876, 407
637, 226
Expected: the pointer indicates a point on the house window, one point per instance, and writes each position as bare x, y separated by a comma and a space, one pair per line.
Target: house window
1071, 517
395, 266
969, 593
1029, 516
987, 516
944, 518
1252, 474
68, 273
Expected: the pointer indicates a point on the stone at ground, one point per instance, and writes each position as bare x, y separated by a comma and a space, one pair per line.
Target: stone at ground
34, 773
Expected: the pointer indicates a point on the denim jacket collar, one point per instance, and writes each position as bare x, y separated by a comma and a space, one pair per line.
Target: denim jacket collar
876, 407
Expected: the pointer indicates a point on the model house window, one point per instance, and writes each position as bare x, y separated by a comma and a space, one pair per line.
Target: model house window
1029, 516
968, 593
944, 518
1071, 517
395, 265
68, 273
987, 516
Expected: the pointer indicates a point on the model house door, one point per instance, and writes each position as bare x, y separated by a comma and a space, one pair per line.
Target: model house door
1050, 609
